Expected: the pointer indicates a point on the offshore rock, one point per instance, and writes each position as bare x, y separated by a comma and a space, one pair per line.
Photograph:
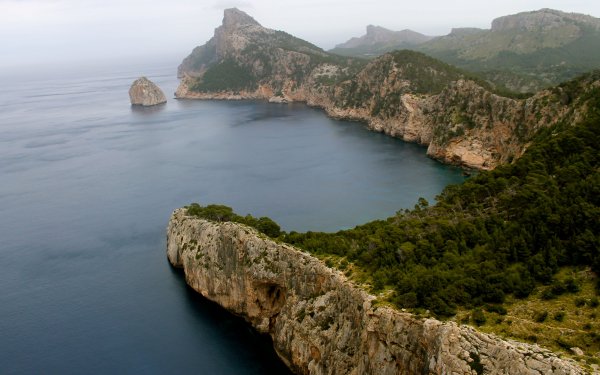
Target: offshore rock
145, 93
321, 323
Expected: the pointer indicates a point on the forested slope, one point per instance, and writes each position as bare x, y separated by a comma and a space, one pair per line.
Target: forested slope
499, 233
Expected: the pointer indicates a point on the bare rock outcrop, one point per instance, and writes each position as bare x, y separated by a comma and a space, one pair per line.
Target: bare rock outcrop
321, 323
145, 93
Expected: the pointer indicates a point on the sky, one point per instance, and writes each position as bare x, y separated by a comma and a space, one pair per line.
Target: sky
48, 32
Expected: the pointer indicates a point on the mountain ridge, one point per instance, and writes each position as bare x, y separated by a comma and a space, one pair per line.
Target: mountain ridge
377, 35
525, 52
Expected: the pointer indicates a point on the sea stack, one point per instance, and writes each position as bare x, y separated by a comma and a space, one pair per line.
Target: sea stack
145, 93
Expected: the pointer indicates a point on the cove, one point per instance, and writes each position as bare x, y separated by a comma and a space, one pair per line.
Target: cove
88, 185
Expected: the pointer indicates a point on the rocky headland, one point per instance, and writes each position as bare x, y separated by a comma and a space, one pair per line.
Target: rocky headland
462, 120
321, 323
144, 92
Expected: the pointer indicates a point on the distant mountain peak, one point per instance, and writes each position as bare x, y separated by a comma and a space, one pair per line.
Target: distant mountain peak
234, 17
237, 40
373, 29
380, 35
543, 18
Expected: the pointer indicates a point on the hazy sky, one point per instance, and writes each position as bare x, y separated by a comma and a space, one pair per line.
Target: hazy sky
54, 31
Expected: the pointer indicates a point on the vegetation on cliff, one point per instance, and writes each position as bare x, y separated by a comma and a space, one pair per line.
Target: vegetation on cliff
489, 242
405, 72
220, 213
500, 233
226, 75
525, 52
497, 234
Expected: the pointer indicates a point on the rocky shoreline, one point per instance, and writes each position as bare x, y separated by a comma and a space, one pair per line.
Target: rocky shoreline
321, 323
404, 94
491, 143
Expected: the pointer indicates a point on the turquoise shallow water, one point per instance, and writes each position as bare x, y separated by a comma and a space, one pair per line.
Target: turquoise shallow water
87, 187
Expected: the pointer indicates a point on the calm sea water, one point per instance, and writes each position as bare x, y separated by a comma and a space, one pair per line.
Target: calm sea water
88, 184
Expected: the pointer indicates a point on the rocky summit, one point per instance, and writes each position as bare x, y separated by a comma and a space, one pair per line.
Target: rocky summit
145, 93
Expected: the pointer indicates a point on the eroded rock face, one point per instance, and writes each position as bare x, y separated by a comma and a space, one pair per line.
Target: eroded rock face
145, 93
321, 323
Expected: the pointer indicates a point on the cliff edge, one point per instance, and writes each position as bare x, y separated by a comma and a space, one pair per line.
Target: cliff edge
321, 323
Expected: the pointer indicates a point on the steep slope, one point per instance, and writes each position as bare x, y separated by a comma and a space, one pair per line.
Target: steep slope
502, 235
404, 94
379, 40
244, 58
321, 323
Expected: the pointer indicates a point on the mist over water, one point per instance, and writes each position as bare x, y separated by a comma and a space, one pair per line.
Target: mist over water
87, 187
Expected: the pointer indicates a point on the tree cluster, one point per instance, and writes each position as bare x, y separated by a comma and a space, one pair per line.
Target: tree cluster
501, 232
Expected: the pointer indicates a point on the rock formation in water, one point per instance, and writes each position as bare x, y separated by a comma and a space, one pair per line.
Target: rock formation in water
145, 93
321, 323
405, 94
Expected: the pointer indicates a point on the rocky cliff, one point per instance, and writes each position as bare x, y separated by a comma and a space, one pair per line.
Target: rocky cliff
405, 94
145, 93
321, 323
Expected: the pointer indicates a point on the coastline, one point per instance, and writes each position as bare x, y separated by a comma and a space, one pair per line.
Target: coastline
320, 322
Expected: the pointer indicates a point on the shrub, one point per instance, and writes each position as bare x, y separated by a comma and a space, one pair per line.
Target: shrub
407, 300
220, 213
541, 316
268, 227
572, 286
499, 309
478, 317
548, 294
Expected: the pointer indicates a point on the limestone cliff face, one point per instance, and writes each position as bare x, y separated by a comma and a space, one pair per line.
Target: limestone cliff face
145, 93
403, 94
321, 323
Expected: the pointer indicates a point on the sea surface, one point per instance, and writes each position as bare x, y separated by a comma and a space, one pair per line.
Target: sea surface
87, 185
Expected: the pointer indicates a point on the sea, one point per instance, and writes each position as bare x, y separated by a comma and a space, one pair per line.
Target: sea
87, 186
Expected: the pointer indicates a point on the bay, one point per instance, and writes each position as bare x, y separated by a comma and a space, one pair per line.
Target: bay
88, 184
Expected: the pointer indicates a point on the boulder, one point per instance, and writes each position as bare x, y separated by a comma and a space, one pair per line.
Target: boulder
145, 93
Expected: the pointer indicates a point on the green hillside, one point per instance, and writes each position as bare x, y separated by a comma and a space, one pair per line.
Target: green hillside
500, 233
511, 250
524, 52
